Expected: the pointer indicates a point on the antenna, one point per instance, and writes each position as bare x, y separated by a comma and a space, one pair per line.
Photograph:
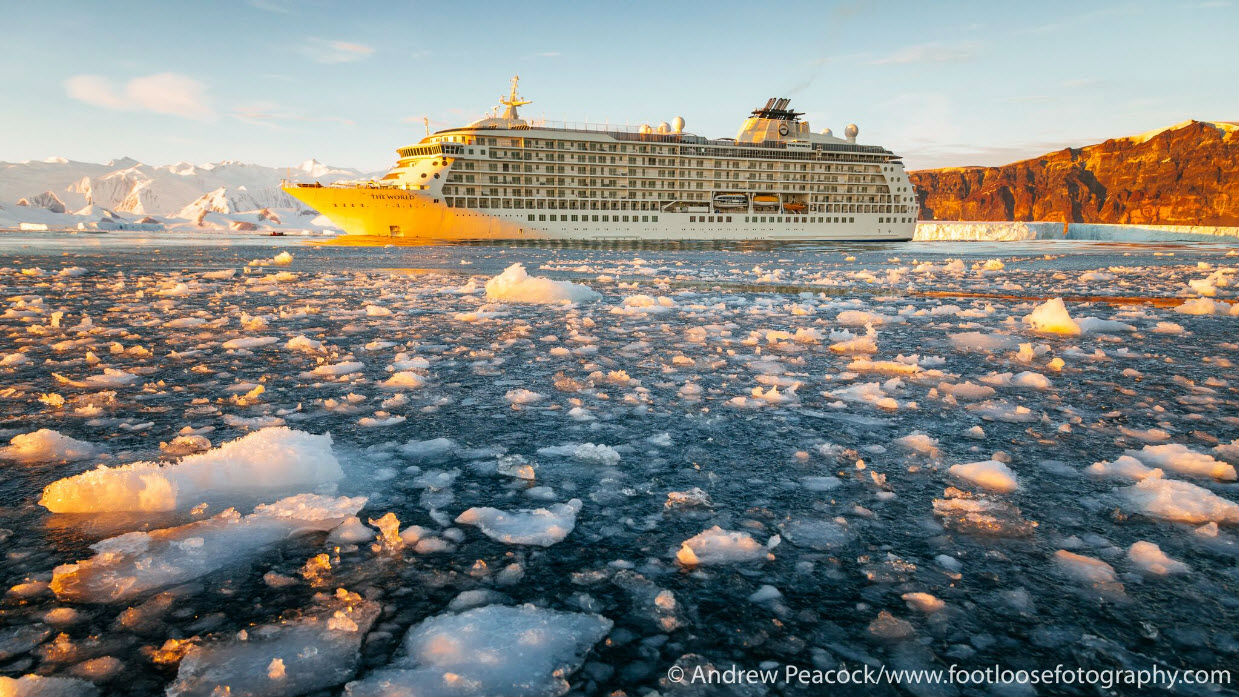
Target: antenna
426, 120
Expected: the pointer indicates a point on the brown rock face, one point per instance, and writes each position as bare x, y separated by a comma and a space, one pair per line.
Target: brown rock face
1185, 175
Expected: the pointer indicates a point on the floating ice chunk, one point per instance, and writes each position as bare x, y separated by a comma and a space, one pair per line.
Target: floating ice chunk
1151, 559
816, 533
1125, 467
1050, 317
1096, 325
643, 304
138, 562
433, 450
1168, 328
523, 396
848, 343
262, 465
766, 594
377, 311
1027, 379
1228, 451
1179, 458
980, 341
337, 369
585, 452
1179, 501
249, 342
719, 546
515, 285
919, 443
282, 259
692, 498
923, 602
988, 474
297, 655
1093, 572
1203, 306
304, 343
891, 628
981, 516
45, 686
404, 380
821, 483
494, 650
1000, 410
540, 526
861, 318
46, 445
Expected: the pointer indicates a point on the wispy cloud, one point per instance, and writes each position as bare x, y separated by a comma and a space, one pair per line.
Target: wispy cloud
548, 54
332, 51
933, 52
271, 6
272, 115
162, 93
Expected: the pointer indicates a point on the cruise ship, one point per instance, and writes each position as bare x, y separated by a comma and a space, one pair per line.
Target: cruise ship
503, 177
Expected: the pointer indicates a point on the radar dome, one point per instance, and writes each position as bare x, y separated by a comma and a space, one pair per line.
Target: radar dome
664, 127
677, 124
827, 132
851, 131
645, 129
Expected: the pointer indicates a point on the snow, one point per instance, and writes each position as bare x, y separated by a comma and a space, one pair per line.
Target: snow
516, 286
262, 465
1051, 317
46, 445
988, 474
540, 526
1152, 560
719, 546
521, 651
312, 651
136, 563
585, 452
1179, 501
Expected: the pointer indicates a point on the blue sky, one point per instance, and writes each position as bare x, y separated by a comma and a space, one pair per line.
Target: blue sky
277, 81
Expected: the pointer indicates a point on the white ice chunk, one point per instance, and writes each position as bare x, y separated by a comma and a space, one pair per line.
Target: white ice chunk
46, 445
515, 285
1179, 501
494, 650
1179, 458
138, 562
988, 474
719, 546
1151, 559
1051, 317
540, 526
265, 464
1093, 572
45, 686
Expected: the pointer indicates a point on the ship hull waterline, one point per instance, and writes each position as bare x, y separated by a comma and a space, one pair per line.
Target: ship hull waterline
412, 218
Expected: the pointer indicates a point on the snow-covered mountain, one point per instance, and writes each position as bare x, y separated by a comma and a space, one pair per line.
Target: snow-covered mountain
125, 189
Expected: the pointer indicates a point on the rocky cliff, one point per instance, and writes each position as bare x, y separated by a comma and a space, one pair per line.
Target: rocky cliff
1187, 174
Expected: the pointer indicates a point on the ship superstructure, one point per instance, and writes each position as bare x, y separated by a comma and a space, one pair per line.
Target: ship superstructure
503, 177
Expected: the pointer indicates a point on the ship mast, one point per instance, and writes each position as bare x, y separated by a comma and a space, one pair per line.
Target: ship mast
512, 101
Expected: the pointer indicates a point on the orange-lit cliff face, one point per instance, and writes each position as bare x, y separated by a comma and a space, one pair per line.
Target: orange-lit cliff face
1185, 175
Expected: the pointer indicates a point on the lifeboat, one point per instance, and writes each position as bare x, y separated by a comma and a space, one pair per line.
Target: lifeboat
765, 198
794, 207
731, 200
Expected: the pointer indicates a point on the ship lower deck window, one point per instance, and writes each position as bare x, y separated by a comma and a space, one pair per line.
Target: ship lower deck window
729, 218
541, 218
692, 218
531, 217
656, 219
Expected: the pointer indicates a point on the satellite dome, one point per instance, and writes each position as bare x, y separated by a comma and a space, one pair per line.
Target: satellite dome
664, 127
677, 124
645, 129
851, 131
827, 132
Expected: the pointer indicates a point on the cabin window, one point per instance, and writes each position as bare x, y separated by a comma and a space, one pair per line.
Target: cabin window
692, 218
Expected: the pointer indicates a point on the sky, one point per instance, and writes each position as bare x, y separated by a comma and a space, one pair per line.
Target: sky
276, 82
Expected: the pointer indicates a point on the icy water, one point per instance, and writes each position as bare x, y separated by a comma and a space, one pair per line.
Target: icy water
821, 405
